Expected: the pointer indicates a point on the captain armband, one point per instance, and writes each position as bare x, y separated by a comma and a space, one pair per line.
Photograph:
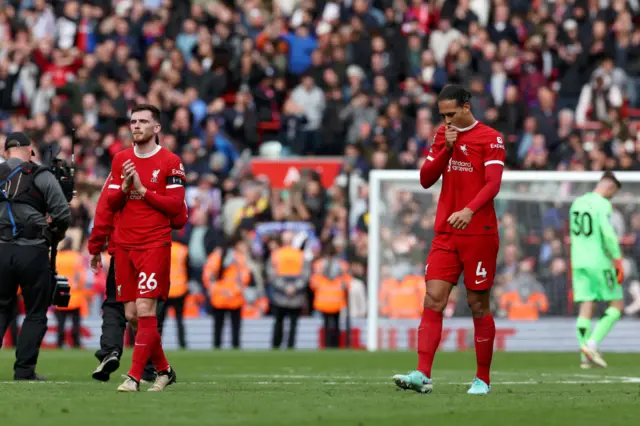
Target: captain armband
174, 181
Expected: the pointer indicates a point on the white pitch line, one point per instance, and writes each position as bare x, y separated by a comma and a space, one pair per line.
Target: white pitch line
626, 380
629, 379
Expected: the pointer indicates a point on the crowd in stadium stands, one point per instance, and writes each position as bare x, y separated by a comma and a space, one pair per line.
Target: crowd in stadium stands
353, 78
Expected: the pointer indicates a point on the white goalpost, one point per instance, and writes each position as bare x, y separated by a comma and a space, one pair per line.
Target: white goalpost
532, 200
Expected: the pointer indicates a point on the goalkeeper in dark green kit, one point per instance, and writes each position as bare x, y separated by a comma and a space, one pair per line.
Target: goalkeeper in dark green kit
596, 264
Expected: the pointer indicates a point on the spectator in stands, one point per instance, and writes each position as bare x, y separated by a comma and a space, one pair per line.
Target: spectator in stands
555, 281
523, 298
597, 98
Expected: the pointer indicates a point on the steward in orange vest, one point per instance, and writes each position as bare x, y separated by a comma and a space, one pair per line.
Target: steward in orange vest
330, 284
288, 273
226, 275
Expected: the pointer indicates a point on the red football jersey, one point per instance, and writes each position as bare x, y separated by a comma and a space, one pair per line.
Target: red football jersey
476, 148
144, 222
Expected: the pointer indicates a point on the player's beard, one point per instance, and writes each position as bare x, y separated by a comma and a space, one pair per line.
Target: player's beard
143, 140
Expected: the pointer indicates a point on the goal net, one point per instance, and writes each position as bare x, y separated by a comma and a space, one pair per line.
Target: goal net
532, 292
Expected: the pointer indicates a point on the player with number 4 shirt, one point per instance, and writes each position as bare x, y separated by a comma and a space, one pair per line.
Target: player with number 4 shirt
470, 158
147, 189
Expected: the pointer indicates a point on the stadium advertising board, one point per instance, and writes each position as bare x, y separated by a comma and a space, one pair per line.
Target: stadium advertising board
554, 335
284, 172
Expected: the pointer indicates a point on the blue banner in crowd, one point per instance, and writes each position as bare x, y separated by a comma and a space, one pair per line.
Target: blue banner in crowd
305, 234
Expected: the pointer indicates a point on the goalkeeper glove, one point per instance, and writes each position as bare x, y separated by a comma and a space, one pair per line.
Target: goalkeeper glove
619, 270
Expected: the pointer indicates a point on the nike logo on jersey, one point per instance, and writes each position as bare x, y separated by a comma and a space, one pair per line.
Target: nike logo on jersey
482, 340
481, 281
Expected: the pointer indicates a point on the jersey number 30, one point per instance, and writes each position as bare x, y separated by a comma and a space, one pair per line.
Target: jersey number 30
582, 224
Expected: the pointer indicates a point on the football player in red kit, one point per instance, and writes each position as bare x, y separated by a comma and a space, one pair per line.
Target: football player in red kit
470, 158
113, 318
147, 189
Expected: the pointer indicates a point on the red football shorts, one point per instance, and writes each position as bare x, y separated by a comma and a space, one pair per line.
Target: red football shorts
142, 274
476, 255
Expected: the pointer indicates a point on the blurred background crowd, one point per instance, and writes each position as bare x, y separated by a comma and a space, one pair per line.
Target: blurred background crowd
355, 81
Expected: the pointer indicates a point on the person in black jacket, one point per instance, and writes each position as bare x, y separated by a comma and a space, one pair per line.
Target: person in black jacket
34, 213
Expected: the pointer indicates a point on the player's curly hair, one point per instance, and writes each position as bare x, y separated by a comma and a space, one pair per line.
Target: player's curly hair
455, 92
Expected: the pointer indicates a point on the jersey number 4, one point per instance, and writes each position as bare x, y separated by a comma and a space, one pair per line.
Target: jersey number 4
480, 271
582, 224
145, 284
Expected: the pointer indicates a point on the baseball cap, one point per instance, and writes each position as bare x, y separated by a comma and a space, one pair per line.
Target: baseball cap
16, 139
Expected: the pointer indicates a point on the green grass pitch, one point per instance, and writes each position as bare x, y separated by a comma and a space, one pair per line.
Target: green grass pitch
325, 388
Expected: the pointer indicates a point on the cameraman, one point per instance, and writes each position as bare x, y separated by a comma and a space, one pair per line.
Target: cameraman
28, 193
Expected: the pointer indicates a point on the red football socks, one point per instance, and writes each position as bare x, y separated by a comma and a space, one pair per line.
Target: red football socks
484, 335
158, 358
429, 334
148, 345
144, 345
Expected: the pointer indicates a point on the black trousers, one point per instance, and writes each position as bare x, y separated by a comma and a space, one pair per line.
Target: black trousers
114, 321
62, 316
177, 304
218, 324
331, 330
27, 267
278, 326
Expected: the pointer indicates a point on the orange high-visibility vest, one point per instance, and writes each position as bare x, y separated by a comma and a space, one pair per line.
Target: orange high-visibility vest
330, 295
402, 299
524, 310
70, 264
227, 292
288, 262
256, 309
178, 281
237, 267
192, 305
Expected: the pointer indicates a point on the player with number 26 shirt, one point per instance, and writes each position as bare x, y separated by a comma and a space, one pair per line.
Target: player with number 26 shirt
147, 189
470, 158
